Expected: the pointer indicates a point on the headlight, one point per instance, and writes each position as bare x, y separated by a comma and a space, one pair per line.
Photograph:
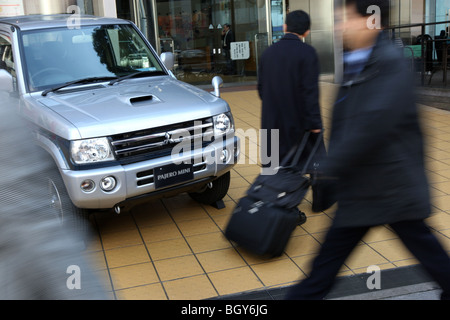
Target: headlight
91, 150
223, 124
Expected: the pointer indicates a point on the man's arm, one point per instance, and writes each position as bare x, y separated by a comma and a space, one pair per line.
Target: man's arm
309, 85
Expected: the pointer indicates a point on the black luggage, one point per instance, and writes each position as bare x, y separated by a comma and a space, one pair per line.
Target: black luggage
261, 228
264, 219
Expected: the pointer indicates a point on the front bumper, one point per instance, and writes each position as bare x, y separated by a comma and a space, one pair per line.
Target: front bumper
135, 181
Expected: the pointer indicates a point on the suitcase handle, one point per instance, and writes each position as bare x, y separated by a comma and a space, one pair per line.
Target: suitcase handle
298, 149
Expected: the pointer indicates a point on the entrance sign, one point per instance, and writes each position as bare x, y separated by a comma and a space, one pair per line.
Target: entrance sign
240, 50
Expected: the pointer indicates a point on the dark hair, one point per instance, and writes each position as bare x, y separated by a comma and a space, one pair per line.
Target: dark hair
298, 21
363, 5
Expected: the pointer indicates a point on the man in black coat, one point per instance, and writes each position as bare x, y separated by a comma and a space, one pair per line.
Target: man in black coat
288, 85
376, 153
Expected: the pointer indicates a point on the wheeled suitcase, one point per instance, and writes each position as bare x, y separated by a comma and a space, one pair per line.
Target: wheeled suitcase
261, 228
264, 219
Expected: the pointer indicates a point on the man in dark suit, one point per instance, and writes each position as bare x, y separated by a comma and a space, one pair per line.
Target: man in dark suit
227, 39
288, 85
376, 153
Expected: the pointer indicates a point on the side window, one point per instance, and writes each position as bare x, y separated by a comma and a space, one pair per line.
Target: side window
6, 55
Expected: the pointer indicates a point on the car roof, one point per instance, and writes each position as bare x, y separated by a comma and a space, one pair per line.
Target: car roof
31, 22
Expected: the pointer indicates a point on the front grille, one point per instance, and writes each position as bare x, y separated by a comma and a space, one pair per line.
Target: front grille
159, 142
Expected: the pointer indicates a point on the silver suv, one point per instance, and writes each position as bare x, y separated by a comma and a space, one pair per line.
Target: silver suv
117, 124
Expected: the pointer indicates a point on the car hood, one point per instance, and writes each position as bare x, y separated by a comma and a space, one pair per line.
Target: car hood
131, 105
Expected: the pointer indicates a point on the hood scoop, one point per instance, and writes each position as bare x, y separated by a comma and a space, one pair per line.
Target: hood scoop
141, 100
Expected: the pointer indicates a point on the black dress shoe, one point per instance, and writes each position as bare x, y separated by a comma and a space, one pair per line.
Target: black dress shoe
301, 218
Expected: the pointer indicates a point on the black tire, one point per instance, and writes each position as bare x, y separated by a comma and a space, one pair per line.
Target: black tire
213, 194
67, 214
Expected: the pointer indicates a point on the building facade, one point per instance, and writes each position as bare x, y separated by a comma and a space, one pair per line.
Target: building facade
192, 29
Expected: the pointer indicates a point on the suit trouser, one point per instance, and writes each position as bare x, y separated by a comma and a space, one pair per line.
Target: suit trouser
340, 242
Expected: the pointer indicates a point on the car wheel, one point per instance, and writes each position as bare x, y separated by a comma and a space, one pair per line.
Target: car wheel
214, 192
62, 208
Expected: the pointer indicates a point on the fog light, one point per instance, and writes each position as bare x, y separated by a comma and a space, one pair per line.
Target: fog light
108, 183
224, 156
87, 185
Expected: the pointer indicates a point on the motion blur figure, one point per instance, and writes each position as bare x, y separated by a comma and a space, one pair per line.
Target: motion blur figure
36, 251
376, 154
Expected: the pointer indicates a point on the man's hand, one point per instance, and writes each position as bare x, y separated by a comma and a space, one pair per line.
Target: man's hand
315, 130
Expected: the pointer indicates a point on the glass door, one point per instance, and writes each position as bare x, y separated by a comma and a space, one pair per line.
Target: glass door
136, 11
278, 10
212, 37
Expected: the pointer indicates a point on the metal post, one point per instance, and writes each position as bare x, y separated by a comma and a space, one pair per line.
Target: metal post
269, 20
424, 58
154, 11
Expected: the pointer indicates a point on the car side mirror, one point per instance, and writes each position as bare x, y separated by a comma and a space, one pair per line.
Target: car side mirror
168, 60
6, 81
217, 83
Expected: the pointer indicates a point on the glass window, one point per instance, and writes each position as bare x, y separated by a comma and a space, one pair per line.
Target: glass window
57, 56
197, 32
6, 55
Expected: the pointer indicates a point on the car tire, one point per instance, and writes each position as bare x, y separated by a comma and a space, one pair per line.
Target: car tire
215, 192
61, 206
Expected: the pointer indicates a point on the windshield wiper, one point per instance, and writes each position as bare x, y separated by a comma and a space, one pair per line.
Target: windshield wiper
138, 74
79, 81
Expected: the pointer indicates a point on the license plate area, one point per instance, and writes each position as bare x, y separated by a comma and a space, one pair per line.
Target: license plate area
173, 174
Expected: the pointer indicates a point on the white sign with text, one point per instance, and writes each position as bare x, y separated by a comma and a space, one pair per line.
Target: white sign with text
240, 50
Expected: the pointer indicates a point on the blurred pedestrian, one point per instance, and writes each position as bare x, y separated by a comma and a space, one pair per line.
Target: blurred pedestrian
288, 85
40, 259
376, 152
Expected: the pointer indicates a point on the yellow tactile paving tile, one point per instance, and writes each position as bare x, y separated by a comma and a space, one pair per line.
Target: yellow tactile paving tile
278, 271
133, 275
179, 267
174, 248
120, 257
144, 292
217, 260
182, 289
235, 280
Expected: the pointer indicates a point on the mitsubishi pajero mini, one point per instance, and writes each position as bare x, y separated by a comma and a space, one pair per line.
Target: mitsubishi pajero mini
117, 124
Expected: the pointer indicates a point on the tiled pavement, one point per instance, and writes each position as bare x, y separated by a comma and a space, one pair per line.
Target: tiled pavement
174, 248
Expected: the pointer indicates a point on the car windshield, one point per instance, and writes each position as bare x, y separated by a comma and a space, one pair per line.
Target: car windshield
57, 56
